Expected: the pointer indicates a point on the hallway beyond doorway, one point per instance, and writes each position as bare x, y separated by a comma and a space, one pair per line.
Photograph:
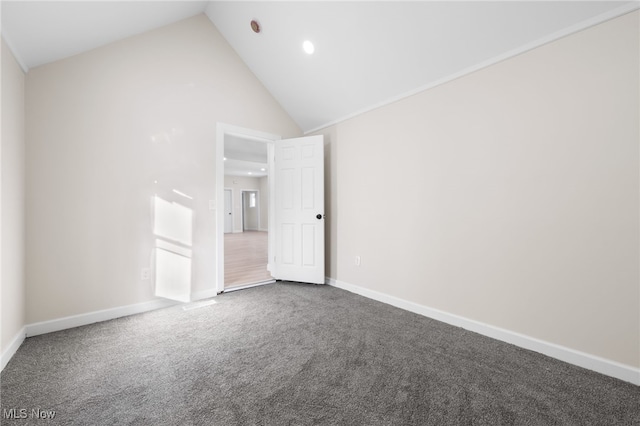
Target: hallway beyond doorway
245, 258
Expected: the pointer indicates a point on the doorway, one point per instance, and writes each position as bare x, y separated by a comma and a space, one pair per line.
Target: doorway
242, 173
250, 211
295, 230
246, 247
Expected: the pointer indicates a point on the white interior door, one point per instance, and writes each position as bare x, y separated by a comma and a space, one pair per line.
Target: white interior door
299, 210
228, 217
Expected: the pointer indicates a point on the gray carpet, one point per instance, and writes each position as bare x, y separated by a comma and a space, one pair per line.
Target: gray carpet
294, 354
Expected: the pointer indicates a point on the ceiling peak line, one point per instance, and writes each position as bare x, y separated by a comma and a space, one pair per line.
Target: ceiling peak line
565, 32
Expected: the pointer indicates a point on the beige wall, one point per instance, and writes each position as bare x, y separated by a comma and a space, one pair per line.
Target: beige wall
12, 193
509, 196
108, 129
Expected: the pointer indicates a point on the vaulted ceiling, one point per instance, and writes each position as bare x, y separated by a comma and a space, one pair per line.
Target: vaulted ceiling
366, 53
371, 53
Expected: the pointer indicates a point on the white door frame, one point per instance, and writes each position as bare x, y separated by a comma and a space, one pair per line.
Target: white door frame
223, 130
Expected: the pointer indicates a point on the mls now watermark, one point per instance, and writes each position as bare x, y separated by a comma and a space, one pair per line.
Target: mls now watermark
25, 413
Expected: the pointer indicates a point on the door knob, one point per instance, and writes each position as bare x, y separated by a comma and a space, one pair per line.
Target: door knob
318, 216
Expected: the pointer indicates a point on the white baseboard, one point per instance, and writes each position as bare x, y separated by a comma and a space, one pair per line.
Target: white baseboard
10, 351
108, 314
242, 287
204, 294
96, 316
571, 356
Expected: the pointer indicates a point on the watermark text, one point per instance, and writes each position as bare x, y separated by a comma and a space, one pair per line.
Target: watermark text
28, 413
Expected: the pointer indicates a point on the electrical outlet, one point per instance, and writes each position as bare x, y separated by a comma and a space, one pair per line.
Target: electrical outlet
357, 261
145, 274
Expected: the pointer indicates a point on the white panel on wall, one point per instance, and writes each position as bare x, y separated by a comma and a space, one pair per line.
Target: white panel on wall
173, 221
173, 275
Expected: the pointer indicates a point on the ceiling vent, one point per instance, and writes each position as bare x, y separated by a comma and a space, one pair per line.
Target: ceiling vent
255, 26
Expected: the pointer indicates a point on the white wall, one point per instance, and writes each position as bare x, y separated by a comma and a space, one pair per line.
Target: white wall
102, 128
509, 196
12, 190
237, 184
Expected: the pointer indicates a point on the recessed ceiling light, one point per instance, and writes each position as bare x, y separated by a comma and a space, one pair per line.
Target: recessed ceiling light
308, 47
263, 169
250, 173
224, 158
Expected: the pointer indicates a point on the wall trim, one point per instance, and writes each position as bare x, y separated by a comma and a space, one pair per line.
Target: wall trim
204, 294
96, 316
65, 323
588, 23
581, 359
243, 287
13, 347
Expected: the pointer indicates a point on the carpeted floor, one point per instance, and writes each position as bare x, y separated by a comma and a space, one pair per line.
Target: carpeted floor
295, 354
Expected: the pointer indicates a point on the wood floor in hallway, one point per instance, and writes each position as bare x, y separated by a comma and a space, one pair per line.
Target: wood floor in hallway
245, 258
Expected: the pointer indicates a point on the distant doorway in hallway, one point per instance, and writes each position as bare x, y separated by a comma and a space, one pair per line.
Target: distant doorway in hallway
250, 211
228, 212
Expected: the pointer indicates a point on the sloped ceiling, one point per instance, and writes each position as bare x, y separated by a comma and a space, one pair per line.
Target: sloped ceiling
366, 53
40, 32
370, 53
